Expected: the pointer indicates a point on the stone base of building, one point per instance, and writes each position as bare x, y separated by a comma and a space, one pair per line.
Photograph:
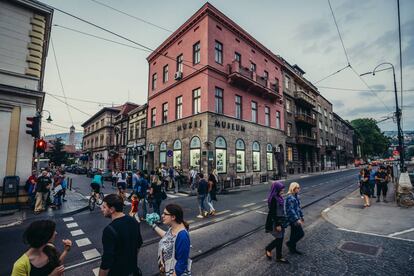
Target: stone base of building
242, 152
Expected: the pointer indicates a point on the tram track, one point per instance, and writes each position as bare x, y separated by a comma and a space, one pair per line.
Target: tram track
214, 249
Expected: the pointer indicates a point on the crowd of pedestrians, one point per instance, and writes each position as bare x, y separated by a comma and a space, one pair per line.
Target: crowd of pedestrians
46, 189
369, 178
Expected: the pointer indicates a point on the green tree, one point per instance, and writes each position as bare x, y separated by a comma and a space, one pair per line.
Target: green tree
374, 142
58, 155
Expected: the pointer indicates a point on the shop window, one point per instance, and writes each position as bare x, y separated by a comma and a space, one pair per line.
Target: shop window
240, 156
269, 157
163, 153
256, 156
177, 154
221, 154
195, 152
290, 154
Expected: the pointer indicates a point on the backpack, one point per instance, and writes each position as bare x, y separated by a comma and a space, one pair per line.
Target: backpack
123, 176
27, 185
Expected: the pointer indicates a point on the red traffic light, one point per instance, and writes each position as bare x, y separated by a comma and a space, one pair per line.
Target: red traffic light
41, 145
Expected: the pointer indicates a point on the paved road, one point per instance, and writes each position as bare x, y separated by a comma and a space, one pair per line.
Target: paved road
238, 213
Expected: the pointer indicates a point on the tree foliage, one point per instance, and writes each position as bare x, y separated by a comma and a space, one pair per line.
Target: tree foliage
58, 155
373, 141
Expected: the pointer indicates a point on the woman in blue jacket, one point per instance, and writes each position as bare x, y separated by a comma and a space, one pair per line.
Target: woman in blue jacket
295, 217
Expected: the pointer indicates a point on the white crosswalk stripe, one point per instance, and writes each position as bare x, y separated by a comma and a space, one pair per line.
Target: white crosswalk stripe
72, 225
83, 242
76, 233
90, 254
68, 219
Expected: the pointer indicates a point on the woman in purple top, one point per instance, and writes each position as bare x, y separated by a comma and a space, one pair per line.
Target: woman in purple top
276, 221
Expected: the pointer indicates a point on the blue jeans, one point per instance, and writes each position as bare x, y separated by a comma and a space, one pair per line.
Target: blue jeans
201, 203
57, 199
372, 187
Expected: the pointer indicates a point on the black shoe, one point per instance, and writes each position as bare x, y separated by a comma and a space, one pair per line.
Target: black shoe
283, 261
385, 200
374, 196
64, 199
378, 200
298, 252
291, 250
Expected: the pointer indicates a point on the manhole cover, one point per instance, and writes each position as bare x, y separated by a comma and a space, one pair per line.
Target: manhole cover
360, 248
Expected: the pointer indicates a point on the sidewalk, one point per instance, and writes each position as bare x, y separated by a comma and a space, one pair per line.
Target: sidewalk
75, 203
381, 219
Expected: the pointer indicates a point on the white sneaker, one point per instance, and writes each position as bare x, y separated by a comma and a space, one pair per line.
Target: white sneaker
200, 216
127, 203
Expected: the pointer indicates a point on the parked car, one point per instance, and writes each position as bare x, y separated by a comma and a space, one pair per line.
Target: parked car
91, 172
80, 170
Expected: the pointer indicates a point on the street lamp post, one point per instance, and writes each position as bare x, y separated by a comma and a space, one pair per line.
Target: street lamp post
397, 112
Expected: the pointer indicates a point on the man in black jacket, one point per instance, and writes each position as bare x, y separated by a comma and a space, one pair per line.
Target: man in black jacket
42, 191
121, 240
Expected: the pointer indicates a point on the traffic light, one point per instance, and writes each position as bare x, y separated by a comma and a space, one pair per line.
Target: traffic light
33, 124
41, 146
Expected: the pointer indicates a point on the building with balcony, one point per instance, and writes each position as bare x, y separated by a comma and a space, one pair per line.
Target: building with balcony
24, 41
300, 121
98, 140
118, 155
136, 147
345, 142
215, 101
325, 134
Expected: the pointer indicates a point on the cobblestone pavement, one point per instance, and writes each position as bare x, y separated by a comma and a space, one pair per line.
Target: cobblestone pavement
322, 256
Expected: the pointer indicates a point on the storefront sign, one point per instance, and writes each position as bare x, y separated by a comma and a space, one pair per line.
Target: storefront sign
231, 126
189, 125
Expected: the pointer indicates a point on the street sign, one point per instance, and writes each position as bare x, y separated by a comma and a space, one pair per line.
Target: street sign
169, 153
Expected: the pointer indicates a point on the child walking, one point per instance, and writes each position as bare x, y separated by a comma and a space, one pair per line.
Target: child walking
134, 207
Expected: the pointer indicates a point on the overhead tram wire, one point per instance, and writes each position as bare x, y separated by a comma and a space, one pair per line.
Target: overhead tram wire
339, 33
132, 16
102, 38
333, 74
361, 90
81, 100
73, 107
60, 80
132, 41
347, 58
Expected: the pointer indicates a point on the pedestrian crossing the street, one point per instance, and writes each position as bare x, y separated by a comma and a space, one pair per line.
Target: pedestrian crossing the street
176, 195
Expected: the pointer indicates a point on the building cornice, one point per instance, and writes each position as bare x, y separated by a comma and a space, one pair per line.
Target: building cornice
209, 10
99, 113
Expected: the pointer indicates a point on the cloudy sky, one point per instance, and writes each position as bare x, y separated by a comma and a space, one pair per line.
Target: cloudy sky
95, 73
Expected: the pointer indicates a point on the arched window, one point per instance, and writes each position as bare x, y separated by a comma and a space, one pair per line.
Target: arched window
240, 156
221, 155
256, 156
269, 157
195, 152
163, 153
177, 154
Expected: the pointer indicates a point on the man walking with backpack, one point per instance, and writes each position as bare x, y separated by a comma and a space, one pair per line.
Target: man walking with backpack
141, 189
121, 240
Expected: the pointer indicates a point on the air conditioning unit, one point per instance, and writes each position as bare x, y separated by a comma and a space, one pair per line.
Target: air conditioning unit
178, 75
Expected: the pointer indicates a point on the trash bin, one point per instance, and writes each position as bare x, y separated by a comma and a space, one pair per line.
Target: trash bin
11, 185
10, 189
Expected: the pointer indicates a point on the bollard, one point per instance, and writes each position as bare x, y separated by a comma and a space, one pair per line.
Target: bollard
70, 183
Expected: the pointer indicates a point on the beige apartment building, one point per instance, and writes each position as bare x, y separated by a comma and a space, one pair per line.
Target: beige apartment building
98, 138
24, 42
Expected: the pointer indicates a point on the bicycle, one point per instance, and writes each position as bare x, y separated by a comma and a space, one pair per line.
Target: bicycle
95, 199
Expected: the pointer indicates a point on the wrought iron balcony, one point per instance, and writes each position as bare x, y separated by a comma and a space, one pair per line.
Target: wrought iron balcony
305, 119
304, 99
248, 80
304, 140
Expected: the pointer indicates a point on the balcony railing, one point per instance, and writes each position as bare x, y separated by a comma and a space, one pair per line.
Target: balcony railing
305, 99
304, 140
305, 119
249, 81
